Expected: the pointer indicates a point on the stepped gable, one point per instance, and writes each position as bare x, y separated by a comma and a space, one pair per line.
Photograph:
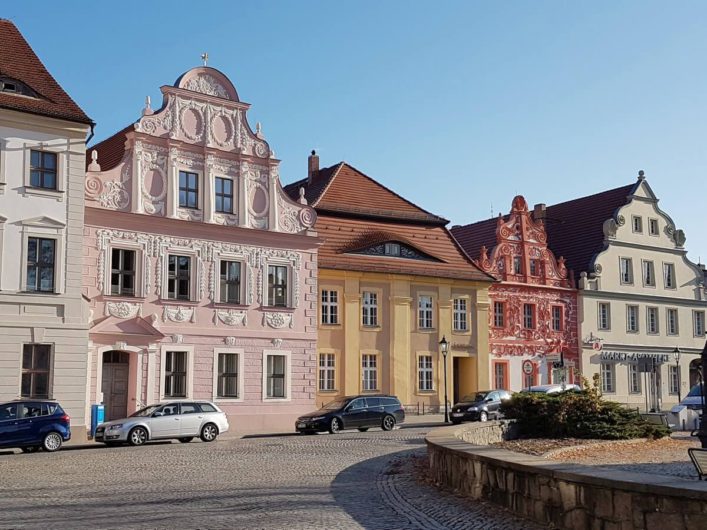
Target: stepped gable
41, 93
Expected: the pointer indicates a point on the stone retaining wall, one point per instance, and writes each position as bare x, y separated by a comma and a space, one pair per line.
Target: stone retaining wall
568, 496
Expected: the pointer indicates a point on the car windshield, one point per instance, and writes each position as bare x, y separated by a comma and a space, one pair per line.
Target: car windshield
147, 411
473, 398
695, 391
334, 405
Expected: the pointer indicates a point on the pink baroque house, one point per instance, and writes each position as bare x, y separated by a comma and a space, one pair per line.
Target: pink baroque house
200, 271
533, 315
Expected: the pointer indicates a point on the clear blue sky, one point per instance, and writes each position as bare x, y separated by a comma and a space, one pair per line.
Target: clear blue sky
455, 105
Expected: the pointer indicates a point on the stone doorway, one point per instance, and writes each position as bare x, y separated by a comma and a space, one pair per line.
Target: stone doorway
115, 379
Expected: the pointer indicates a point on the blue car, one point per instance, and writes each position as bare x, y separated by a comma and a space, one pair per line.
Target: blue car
34, 424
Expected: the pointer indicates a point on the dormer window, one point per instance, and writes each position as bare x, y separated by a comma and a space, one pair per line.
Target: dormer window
13, 86
392, 249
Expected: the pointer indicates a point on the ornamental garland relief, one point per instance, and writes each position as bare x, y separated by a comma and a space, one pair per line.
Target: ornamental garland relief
179, 314
207, 84
123, 309
231, 317
278, 320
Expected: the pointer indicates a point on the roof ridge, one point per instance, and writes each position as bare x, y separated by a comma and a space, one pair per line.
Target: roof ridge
593, 195
328, 184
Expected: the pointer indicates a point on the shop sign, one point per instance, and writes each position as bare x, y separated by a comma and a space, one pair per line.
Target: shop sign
624, 357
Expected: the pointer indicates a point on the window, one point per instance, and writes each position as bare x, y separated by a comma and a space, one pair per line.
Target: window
653, 227
327, 372
230, 282
673, 379
672, 316
500, 375
276, 366
175, 374
424, 311
517, 265
330, 307
392, 249
648, 274
227, 382
189, 408
277, 285
608, 377
369, 370
424, 373
533, 267
122, 272
652, 320
626, 268
42, 170
632, 318
556, 318
460, 322
179, 277
669, 275
637, 224
224, 195
40, 264
36, 370
188, 190
698, 323
528, 316
370, 309
634, 379
604, 316
499, 314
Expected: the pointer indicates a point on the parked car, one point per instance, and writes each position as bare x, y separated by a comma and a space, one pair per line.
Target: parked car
552, 389
181, 420
34, 424
481, 406
353, 412
693, 399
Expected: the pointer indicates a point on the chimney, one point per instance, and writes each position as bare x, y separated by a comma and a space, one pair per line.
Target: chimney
539, 211
312, 166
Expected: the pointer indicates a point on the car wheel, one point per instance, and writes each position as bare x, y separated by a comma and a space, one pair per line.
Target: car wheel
209, 432
186, 440
388, 423
334, 425
483, 416
52, 442
138, 436
363, 429
30, 449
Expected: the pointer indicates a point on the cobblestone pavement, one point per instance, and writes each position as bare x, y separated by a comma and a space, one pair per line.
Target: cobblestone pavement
345, 481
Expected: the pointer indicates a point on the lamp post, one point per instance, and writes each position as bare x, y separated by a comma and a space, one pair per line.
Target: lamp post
702, 432
676, 356
444, 347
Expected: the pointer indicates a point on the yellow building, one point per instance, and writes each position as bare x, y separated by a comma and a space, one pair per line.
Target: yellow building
392, 284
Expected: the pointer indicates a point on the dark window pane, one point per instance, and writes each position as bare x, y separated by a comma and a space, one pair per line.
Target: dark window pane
27, 357
35, 178
47, 251
26, 385
41, 357
227, 187
36, 158
182, 198
31, 279
219, 203
227, 206
49, 160
32, 249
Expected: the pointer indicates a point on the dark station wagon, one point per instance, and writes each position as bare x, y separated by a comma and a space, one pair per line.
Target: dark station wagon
353, 412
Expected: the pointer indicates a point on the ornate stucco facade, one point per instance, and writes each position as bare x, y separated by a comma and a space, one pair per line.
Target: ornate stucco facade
201, 271
533, 309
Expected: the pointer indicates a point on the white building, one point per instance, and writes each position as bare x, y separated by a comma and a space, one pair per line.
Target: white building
43, 318
640, 297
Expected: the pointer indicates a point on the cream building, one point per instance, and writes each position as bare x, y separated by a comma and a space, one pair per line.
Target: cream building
640, 297
43, 318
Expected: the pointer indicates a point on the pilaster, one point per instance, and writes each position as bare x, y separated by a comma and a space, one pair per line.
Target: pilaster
352, 324
400, 349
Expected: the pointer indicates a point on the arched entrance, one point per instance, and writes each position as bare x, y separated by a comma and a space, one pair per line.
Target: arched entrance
114, 383
695, 369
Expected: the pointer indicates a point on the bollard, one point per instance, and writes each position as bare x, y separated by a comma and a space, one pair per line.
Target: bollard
683, 424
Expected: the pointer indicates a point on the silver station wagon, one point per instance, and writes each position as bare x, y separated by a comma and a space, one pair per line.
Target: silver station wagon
181, 420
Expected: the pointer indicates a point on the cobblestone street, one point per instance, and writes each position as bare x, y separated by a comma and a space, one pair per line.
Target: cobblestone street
346, 481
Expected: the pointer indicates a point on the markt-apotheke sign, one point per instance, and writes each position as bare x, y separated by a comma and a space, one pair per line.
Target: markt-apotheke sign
634, 357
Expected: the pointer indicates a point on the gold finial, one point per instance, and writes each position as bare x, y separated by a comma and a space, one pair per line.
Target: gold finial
205, 57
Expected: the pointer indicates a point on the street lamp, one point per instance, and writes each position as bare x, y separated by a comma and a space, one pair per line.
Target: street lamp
444, 347
702, 432
676, 356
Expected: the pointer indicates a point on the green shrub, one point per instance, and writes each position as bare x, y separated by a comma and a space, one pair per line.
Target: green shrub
577, 415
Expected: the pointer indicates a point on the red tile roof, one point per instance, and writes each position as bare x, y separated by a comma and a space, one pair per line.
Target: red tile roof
19, 62
473, 236
111, 150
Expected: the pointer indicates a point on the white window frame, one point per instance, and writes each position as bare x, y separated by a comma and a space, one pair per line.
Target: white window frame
669, 266
648, 265
190, 369
240, 258
288, 376
194, 275
624, 280
425, 314
199, 191
652, 330
502, 305
366, 305
46, 228
140, 267
668, 329
324, 370
632, 325
275, 262
651, 221
458, 313
633, 371
600, 306
637, 228
368, 369
560, 320
533, 316
698, 316
327, 305
610, 369
61, 151
425, 374
673, 380
241, 379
